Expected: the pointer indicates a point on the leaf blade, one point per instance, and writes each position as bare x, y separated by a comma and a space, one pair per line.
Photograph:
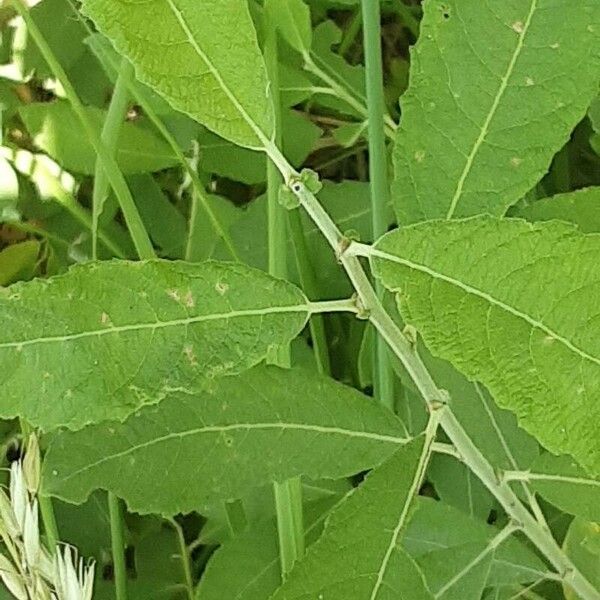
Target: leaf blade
360, 544
512, 320
265, 424
481, 122
192, 58
105, 338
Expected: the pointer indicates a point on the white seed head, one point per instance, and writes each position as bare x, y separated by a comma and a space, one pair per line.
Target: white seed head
31, 535
72, 580
32, 464
7, 516
18, 493
12, 580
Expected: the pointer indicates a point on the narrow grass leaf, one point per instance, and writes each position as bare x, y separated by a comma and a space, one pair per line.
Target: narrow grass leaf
192, 55
265, 425
495, 90
359, 554
106, 338
512, 305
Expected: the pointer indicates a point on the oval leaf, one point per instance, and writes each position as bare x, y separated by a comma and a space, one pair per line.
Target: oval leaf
203, 58
105, 338
482, 120
241, 432
512, 305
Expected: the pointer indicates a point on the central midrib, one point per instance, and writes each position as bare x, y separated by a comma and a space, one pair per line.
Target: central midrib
391, 439
257, 312
488, 121
485, 296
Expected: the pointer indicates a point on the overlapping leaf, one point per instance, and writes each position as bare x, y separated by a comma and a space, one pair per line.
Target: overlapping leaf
203, 58
512, 305
240, 432
359, 554
495, 89
106, 338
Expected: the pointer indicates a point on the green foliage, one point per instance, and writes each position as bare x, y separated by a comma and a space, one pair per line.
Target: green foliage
106, 354
359, 551
495, 90
281, 432
51, 129
211, 44
150, 282
469, 313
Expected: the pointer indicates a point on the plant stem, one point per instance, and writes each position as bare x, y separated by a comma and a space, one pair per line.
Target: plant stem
117, 181
200, 196
383, 375
49, 521
348, 253
351, 32
118, 546
288, 495
408, 19
115, 117
346, 95
185, 559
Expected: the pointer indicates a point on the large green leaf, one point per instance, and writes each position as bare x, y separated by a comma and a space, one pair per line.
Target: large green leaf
240, 432
50, 125
106, 338
359, 554
513, 305
203, 58
495, 89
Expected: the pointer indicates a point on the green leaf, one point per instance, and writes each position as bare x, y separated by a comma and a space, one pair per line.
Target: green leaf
247, 566
192, 57
18, 261
166, 225
582, 546
561, 481
63, 32
358, 555
459, 572
502, 301
481, 121
292, 19
240, 432
51, 126
104, 339
581, 208
436, 526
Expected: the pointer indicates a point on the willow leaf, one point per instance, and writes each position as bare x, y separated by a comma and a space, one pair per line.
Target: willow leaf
240, 432
495, 89
358, 554
192, 54
106, 338
513, 305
